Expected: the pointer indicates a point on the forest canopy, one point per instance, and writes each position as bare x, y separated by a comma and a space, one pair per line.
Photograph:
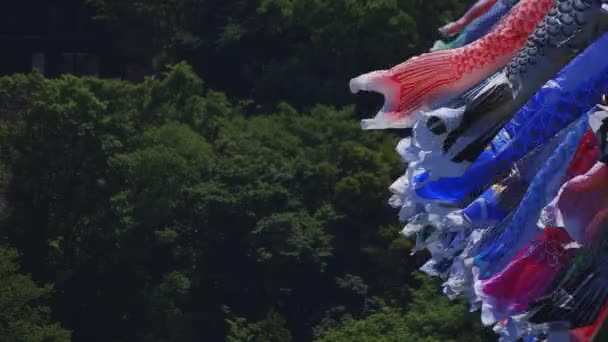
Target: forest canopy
230, 197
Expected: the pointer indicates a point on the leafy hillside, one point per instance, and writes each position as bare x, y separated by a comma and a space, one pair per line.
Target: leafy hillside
170, 211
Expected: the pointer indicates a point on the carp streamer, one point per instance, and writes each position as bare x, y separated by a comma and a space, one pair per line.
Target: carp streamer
506, 167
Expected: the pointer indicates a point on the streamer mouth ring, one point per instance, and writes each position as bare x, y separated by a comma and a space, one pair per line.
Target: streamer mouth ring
436, 125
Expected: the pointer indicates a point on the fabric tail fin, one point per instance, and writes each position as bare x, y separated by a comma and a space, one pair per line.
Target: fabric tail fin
408, 88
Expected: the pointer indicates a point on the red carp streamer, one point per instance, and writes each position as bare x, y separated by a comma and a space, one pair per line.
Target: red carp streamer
453, 28
585, 157
417, 83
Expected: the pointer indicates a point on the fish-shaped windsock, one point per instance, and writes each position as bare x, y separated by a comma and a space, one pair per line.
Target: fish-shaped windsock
568, 28
527, 277
521, 229
435, 178
479, 8
445, 243
582, 197
536, 269
479, 27
560, 101
582, 285
545, 275
579, 200
494, 204
491, 208
436, 77
580, 290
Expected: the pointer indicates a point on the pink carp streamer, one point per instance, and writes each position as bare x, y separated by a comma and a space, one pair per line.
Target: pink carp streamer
430, 78
453, 28
579, 201
533, 269
531, 272
581, 198
527, 277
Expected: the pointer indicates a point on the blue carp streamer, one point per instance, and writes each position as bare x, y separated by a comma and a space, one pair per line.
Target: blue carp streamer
558, 103
506, 177
522, 228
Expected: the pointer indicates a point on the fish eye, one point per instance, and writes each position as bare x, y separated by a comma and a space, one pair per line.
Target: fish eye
604, 100
436, 125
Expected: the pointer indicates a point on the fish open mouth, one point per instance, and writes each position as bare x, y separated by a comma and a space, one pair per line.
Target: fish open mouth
380, 82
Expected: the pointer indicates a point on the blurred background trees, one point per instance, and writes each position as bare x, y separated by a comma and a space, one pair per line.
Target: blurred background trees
232, 197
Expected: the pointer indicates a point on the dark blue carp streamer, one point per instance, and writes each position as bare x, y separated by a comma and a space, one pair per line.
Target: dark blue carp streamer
522, 227
566, 30
494, 204
449, 140
479, 27
571, 93
497, 170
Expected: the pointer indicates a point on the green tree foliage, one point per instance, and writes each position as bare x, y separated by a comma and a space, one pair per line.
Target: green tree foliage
152, 207
23, 316
387, 324
165, 211
430, 317
299, 51
271, 329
